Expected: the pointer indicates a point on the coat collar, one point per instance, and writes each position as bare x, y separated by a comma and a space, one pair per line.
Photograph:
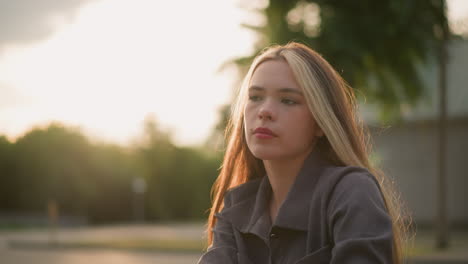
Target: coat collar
249, 209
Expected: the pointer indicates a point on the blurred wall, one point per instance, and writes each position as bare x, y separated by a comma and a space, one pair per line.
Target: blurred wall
408, 151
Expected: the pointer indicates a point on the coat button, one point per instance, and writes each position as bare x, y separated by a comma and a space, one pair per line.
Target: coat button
273, 235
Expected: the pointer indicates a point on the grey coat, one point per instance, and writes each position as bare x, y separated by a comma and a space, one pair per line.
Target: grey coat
330, 215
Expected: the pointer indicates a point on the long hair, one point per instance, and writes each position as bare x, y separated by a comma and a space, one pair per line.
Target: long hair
333, 106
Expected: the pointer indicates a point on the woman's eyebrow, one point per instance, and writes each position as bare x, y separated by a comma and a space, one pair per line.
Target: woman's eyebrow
290, 90
256, 88
280, 90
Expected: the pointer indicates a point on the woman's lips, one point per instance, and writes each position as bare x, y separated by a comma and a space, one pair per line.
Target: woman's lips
264, 133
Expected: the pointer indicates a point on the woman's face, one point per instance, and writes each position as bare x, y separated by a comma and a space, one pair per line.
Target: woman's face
278, 122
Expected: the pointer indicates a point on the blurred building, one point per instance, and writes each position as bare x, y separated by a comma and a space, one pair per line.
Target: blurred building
408, 151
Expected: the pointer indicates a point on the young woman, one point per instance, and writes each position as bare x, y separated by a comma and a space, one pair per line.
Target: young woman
296, 185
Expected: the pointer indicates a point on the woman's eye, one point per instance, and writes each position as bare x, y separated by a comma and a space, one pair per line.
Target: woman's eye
254, 98
288, 101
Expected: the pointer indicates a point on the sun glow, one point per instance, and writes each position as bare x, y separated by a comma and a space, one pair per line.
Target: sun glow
118, 61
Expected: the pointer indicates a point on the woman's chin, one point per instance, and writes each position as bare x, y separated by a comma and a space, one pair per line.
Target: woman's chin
266, 154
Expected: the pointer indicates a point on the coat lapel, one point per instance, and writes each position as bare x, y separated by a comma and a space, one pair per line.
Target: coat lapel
249, 212
294, 211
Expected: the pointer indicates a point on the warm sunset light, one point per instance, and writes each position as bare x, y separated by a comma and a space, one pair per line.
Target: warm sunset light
118, 61
111, 63
347, 142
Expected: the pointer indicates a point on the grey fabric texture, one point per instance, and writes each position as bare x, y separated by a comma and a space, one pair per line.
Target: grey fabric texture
331, 214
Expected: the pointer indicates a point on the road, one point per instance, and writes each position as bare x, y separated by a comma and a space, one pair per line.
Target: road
9, 255
22, 255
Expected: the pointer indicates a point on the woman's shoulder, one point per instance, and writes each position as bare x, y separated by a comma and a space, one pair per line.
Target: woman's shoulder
347, 176
353, 186
347, 184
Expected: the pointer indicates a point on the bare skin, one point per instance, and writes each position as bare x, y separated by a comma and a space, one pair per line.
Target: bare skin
281, 175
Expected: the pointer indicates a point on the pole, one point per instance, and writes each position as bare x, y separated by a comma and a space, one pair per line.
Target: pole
441, 219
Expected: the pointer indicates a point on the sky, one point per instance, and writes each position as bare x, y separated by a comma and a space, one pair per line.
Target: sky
106, 65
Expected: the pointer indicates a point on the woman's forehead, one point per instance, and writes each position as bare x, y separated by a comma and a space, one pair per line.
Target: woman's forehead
274, 74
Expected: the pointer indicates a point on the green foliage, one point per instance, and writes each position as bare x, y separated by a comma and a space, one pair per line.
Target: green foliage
377, 46
7, 171
179, 179
94, 179
61, 154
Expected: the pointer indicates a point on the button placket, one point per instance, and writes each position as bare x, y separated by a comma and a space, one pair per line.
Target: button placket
274, 244
274, 235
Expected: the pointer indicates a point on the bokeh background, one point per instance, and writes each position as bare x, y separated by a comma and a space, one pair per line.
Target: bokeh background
112, 116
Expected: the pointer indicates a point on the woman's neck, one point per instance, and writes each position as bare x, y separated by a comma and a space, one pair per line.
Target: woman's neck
281, 174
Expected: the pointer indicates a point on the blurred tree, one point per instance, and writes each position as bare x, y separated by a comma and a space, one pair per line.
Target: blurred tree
155, 155
7, 175
215, 141
112, 169
377, 46
95, 180
53, 163
58, 163
179, 179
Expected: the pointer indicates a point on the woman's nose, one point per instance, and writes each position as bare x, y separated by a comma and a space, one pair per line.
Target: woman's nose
266, 112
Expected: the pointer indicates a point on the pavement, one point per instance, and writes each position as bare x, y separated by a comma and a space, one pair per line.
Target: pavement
456, 253
18, 247
30, 246
80, 256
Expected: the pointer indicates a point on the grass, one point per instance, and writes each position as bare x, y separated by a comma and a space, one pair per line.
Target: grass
161, 245
19, 227
172, 245
424, 245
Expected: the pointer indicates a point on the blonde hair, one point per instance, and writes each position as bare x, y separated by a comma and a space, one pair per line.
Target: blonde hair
333, 106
